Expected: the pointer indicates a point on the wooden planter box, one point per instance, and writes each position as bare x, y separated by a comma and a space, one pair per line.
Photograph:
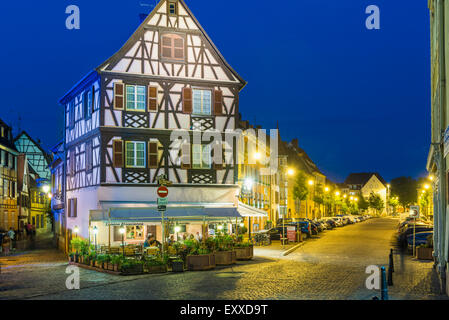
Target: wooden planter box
109, 266
246, 253
178, 266
201, 262
225, 258
137, 269
424, 253
156, 269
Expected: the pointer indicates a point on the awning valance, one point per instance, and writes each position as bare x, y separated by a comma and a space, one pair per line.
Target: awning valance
248, 211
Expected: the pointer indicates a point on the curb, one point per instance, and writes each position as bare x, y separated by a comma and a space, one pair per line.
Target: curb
287, 252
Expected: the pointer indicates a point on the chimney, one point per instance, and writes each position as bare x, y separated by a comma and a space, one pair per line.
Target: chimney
295, 143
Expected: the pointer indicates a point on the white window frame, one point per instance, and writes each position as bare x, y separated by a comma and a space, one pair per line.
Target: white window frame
135, 107
205, 157
134, 158
202, 104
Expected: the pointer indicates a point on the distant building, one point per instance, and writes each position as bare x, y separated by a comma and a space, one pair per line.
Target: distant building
366, 183
9, 216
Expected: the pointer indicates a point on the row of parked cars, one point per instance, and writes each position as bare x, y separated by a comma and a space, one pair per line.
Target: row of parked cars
310, 227
423, 232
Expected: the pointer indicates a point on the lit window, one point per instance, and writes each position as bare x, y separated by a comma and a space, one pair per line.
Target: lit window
135, 98
202, 102
135, 154
201, 156
172, 47
134, 232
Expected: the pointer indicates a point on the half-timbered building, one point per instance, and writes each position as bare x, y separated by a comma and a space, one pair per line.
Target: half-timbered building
136, 118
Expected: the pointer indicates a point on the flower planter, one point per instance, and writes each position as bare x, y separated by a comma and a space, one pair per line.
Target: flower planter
177, 266
225, 258
133, 270
157, 269
109, 266
244, 253
201, 262
424, 253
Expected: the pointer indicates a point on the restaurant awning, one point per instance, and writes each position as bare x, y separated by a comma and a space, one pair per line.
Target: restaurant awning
248, 211
120, 215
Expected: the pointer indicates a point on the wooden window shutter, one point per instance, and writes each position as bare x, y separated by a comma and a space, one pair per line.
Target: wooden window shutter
187, 103
119, 96
218, 102
117, 150
69, 208
74, 212
152, 98
153, 154
186, 162
93, 99
219, 147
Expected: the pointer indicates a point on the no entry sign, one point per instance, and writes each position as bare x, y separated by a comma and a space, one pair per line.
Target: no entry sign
162, 192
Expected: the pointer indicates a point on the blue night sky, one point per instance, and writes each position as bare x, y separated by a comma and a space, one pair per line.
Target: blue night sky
356, 99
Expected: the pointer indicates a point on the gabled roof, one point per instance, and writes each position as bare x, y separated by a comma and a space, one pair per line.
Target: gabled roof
44, 153
141, 27
362, 178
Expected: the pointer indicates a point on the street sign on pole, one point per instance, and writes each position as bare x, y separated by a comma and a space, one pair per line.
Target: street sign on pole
162, 192
162, 201
414, 212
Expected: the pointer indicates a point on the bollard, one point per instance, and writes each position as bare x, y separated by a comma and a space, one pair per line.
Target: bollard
384, 287
390, 276
391, 265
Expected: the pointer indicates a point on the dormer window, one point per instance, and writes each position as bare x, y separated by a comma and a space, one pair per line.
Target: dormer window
172, 8
172, 47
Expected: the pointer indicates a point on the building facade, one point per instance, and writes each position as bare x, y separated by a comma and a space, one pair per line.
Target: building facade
158, 108
9, 215
438, 161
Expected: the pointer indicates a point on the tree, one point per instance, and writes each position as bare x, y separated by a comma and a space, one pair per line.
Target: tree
405, 188
300, 190
393, 202
363, 204
375, 202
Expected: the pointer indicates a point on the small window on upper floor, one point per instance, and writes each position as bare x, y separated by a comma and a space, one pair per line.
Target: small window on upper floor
172, 47
172, 8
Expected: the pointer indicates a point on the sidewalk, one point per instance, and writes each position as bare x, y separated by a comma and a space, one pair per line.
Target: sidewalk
414, 279
275, 250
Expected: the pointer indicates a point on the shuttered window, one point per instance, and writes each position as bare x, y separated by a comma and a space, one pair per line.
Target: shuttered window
117, 150
119, 96
135, 154
135, 98
172, 47
185, 156
187, 100
218, 105
202, 102
89, 156
201, 156
152, 98
153, 154
72, 208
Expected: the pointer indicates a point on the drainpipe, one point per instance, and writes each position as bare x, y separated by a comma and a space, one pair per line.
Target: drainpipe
442, 171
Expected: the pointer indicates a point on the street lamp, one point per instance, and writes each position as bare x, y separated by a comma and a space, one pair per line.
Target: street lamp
290, 172
76, 230
257, 156
122, 232
426, 186
310, 182
95, 230
177, 229
46, 188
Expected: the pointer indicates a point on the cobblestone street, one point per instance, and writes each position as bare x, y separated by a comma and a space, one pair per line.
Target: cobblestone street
329, 266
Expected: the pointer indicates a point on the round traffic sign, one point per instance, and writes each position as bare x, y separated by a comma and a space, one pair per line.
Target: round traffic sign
162, 192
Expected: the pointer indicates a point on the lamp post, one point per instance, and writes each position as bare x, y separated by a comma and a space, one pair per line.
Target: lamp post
122, 232
310, 183
95, 230
177, 229
76, 230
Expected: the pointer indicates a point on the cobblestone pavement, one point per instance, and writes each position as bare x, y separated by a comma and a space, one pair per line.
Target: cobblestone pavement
331, 266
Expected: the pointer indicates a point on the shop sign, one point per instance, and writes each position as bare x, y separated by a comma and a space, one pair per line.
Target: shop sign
291, 234
119, 223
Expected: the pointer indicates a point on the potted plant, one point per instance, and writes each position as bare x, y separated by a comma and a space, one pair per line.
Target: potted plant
244, 250
224, 254
200, 259
100, 261
72, 257
424, 251
92, 258
177, 265
155, 265
131, 267
115, 262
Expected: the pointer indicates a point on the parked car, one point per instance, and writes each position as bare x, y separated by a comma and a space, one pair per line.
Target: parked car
420, 238
403, 236
304, 225
277, 233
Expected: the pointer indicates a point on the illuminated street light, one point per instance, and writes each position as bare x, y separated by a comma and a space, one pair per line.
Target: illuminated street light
248, 183
326, 189
351, 198
344, 196
257, 156
337, 193
95, 230
220, 227
177, 229
76, 230
310, 182
290, 172
46, 188
122, 232
356, 199
426, 186
431, 177
50, 196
